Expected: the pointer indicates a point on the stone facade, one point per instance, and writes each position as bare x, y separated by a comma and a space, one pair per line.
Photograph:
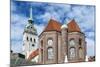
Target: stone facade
56, 44
63, 41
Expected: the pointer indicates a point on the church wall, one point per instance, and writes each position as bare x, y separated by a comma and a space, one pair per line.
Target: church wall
60, 49
45, 37
76, 37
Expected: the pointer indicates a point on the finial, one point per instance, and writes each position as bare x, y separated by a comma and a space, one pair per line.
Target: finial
30, 17
30, 13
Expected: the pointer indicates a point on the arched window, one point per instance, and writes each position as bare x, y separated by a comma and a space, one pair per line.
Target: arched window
72, 52
72, 42
33, 45
34, 40
50, 53
81, 53
27, 38
50, 42
80, 41
31, 39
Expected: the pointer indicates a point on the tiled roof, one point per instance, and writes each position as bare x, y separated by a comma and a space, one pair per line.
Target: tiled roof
53, 26
73, 26
56, 26
33, 54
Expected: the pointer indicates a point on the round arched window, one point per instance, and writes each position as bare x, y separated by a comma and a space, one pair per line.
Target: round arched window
80, 53
72, 42
50, 53
72, 52
50, 42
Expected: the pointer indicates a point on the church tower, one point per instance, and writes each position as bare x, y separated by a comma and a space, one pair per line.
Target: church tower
30, 37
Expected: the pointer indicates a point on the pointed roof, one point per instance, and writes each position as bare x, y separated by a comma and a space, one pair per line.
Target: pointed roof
53, 26
73, 26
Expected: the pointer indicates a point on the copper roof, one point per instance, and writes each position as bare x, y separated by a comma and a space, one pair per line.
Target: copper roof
53, 26
73, 26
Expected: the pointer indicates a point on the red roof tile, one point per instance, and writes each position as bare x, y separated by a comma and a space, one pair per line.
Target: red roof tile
56, 26
53, 26
33, 54
73, 26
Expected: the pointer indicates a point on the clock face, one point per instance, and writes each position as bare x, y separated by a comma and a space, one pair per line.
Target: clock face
50, 42
72, 42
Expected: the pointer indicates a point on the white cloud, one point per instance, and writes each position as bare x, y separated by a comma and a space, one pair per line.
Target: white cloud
18, 23
13, 7
90, 34
55, 11
88, 20
16, 46
85, 16
90, 47
39, 28
45, 17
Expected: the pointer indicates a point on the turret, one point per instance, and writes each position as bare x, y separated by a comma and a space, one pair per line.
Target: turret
64, 40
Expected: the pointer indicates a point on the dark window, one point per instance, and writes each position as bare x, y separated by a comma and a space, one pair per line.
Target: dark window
42, 43
34, 41
80, 41
42, 55
31, 27
31, 39
33, 45
27, 38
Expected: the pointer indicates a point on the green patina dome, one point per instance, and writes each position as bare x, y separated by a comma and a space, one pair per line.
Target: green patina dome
29, 28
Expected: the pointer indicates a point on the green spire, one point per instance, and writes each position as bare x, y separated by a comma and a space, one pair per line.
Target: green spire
30, 26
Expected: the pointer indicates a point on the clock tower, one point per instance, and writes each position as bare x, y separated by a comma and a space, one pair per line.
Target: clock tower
30, 37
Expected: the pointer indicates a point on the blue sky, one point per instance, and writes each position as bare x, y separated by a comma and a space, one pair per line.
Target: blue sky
42, 12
